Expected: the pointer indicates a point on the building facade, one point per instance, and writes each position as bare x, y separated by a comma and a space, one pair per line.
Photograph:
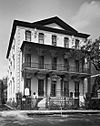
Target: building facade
1, 93
40, 61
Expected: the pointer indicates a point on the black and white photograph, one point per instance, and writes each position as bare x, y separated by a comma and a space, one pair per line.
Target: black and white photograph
49, 62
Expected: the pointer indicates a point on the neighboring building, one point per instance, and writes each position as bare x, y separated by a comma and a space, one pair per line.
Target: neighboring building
38, 55
4, 89
95, 77
1, 92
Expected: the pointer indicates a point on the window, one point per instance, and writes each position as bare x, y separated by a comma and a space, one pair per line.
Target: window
41, 38
40, 87
66, 64
66, 42
66, 88
76, 89
54, 40
28, 60
28, 35
76, 44
71, 94
53, 88
41, 62
77, 65
54, 63
83, 63
28, 84
13, 61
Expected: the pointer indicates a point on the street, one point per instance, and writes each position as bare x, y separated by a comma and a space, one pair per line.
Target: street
53, 120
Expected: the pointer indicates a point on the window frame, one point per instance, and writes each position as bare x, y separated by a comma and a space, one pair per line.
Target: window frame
41, 38
54, 63
28, 60
28, 35
53, 88
66, 42
76, 43
40, 87
41, 62
54, 40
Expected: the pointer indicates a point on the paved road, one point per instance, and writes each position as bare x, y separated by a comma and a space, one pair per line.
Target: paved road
55, 120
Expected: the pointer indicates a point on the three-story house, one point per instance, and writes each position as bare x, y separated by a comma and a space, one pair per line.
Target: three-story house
39, 61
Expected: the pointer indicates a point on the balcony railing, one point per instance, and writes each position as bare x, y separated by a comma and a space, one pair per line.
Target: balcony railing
59, 67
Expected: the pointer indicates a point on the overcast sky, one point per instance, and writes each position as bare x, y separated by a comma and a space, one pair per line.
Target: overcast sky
84, 15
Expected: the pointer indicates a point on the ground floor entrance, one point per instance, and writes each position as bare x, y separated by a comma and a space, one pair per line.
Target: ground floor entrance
55, 91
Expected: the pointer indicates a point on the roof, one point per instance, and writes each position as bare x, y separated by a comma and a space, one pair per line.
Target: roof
56, 20
68, 30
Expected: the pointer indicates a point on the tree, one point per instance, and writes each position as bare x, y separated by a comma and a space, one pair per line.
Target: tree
93, 53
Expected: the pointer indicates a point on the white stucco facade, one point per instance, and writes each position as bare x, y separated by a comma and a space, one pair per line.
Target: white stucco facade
18, 51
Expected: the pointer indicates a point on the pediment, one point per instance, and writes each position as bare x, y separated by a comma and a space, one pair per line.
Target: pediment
54, 25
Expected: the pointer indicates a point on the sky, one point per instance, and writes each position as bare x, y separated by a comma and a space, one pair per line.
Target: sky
83, 15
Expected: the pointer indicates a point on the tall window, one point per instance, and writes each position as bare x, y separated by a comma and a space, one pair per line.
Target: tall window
53, 88
76, 44
66, 42
28, 60
41, 62
41, 38
77, 65
13, 61
54, 40
66, 64
76, 89
66, 88
28, 85
40, 87
28, 35
54, 63
83, 63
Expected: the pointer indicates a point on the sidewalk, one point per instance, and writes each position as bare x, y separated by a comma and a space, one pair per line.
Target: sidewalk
46, 112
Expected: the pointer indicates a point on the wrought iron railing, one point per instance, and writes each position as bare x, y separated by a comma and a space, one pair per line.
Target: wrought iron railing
59, 67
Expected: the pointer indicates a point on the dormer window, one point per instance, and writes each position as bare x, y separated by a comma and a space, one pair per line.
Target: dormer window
66, 42
28, 35
41, 38
76, 44
54, 40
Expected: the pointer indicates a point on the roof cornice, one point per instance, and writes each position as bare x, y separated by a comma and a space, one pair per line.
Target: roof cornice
41, 27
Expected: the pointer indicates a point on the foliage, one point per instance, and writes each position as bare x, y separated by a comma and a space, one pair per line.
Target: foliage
93, 54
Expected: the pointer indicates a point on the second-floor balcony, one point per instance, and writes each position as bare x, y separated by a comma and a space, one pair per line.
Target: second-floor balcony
55, 67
